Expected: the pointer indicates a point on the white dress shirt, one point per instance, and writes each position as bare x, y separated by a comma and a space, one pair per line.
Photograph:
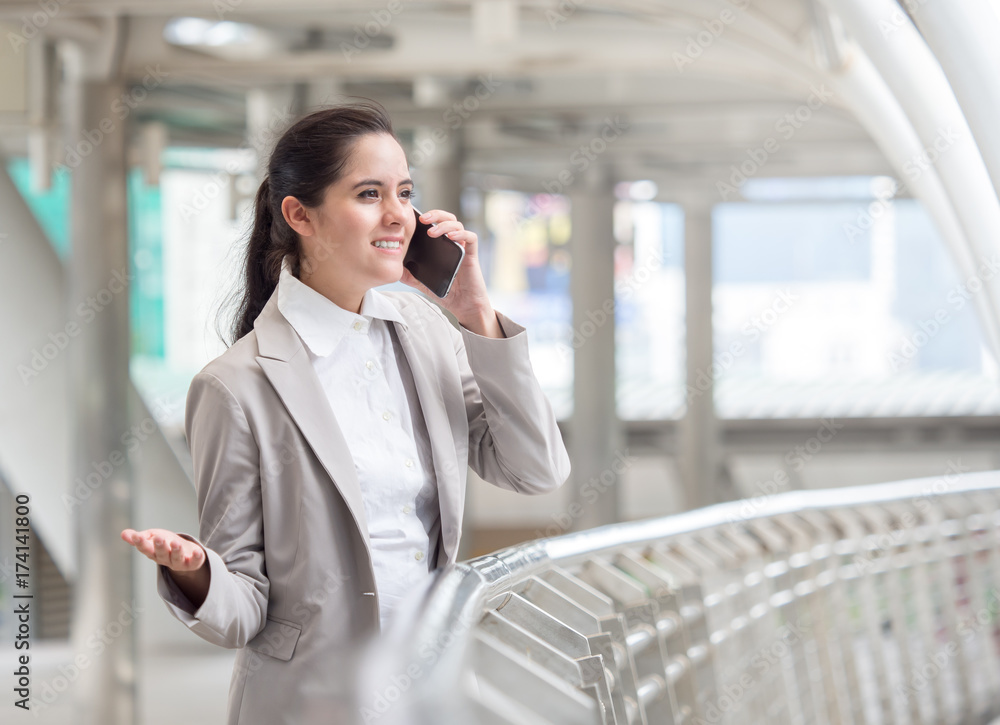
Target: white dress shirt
368, 383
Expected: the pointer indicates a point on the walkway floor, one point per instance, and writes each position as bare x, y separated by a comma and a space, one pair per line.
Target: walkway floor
183, 685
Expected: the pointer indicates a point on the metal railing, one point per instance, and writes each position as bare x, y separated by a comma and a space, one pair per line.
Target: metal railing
875, 604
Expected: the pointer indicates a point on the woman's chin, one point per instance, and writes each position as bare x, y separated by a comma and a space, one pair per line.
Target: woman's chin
389, 274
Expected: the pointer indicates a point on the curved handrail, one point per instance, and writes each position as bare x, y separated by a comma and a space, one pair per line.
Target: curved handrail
431, 640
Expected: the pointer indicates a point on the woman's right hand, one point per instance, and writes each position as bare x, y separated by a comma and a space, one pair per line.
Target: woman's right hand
167, 548
185, 559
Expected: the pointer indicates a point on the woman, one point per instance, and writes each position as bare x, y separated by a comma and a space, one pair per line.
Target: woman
331, 441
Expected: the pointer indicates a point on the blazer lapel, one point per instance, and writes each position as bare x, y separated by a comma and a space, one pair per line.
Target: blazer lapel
442, 439
286, 365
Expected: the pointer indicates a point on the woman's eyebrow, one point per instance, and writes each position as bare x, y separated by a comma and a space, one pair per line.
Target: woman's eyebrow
376, 182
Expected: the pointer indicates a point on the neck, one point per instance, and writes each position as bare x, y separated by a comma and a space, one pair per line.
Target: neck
346, 298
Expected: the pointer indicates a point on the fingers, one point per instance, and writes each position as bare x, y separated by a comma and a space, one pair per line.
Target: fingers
447, 224
451, 229
184, 558
436, 216
141, 540
160, 552
166, 548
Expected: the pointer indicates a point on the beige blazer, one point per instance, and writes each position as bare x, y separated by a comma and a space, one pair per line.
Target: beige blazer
280, 508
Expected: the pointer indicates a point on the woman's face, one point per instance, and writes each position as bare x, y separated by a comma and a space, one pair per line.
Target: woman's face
370, 203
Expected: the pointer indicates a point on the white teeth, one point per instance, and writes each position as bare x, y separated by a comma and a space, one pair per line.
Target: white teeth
386, 245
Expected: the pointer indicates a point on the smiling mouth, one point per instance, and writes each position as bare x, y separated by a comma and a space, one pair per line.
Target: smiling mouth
387, 245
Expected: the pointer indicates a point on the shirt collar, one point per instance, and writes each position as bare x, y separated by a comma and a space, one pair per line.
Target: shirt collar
319, 321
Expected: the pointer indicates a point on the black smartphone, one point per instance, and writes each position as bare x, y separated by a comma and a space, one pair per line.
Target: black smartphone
433, 260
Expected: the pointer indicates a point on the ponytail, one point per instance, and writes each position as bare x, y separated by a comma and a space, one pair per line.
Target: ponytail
308, 158
270, 240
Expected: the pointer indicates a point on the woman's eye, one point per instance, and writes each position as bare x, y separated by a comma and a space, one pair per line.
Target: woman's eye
407, 194
367, 193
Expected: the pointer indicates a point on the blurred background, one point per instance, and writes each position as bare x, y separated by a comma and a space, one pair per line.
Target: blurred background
753, 242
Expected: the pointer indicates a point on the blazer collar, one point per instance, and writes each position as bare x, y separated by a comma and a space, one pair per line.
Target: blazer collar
319, 321
438, 416
286, 364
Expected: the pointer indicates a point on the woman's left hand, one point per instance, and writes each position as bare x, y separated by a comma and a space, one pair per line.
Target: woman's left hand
468, 299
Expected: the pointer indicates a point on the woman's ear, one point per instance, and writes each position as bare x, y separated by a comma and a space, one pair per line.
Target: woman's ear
297, 216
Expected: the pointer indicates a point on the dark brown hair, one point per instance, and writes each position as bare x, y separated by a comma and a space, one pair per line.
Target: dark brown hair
310, 156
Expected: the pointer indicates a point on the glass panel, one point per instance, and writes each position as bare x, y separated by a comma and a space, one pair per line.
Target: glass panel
835, 309
649, 310
203, 218
50, 207
526, 260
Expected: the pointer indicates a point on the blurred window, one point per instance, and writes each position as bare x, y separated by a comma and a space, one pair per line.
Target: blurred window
525, 259
843, 308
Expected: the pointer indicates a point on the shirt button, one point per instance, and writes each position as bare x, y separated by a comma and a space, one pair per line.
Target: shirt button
357, 325
386, 415
409, 463
419, 555
370, 365
407, 509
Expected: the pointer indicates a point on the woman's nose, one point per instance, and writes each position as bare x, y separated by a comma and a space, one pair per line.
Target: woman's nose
396, 211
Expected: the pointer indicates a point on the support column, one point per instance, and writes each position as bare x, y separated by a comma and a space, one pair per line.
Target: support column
437, 154
698, 453
596, 444
962, 36
915, 77
437, 169
437, 178
270, 110
99, 375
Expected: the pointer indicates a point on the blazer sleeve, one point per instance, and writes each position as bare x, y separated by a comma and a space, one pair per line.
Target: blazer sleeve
514, 442
226, 465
